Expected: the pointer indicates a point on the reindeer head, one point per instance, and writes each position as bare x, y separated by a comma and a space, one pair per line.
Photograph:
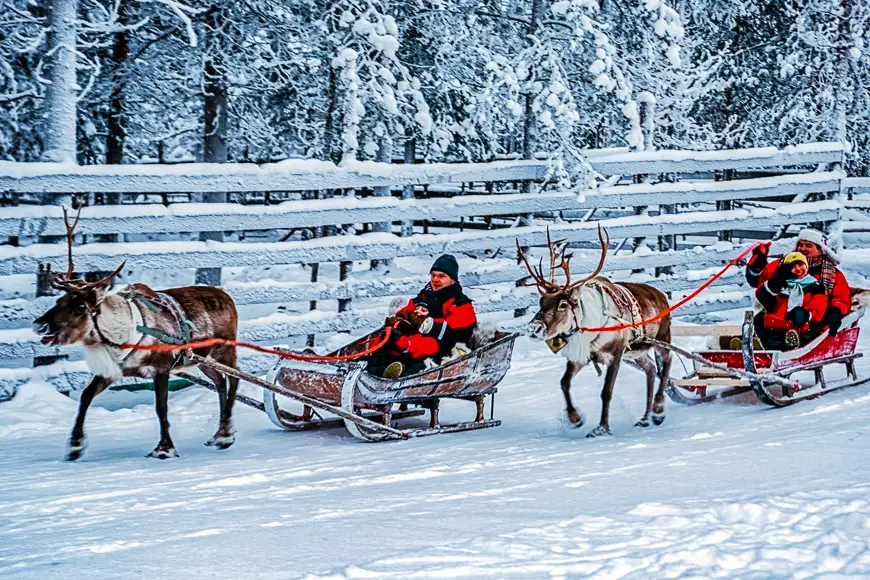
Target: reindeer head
70, 319
561, 311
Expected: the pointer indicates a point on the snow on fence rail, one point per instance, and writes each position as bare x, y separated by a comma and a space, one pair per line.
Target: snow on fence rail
307, 174
17, 341
202, 217
857, 184
17, 313
290, 175
382, 246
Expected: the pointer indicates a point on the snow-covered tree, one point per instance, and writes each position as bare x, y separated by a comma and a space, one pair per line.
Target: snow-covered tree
382, 99
825, 65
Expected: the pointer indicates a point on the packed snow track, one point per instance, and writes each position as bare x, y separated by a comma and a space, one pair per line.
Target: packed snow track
718, 490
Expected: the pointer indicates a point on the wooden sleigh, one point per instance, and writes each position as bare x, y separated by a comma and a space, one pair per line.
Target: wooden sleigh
769, 373
346, 385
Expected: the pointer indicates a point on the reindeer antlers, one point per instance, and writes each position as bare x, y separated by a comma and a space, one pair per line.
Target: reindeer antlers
65, 282
70, 234
605, 242
548, 286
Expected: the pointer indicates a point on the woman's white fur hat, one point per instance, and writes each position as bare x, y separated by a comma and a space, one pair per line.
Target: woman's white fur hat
820, 239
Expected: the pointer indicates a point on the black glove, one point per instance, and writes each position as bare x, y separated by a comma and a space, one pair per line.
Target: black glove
833, 318
395, 334
779, 278
759, 258
799, 316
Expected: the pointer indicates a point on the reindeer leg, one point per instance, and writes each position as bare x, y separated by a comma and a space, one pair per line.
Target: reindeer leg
606, 395
648, 367
664, 372
571, 371
224, 436
78, 442
165, 449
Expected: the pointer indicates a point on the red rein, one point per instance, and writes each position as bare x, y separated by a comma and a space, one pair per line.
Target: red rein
670, 309
206, 342
388, 330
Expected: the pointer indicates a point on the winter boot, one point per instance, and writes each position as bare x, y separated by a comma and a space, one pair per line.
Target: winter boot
737, 344
792, 339
394, 370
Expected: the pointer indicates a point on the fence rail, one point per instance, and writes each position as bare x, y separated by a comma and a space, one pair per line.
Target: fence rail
492, 284
383, 246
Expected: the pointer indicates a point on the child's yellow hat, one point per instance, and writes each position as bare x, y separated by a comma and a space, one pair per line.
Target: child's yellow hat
795, 257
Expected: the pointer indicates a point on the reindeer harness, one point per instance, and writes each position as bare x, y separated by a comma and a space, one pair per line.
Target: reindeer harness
154, 301
133, 337
621, 297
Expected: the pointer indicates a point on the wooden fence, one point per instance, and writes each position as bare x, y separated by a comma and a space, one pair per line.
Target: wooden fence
695, 213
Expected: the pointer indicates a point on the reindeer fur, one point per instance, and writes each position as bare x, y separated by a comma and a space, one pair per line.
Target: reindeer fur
590, 303
103, 321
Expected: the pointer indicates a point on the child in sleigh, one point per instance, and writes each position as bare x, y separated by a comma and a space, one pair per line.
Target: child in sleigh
794, 305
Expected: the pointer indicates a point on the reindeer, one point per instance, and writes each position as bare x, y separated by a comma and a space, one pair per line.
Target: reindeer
566, 310
104, 321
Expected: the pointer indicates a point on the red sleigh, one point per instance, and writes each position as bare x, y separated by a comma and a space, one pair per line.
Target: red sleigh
713, 377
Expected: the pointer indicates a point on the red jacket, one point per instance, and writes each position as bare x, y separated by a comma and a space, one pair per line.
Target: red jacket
453, 320
815, 302
841, 294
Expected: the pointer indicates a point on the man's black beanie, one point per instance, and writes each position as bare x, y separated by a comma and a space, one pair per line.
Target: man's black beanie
446, 264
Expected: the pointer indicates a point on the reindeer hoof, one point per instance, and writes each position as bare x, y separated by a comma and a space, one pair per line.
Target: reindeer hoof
575, 418
598, 431
658, 419
163, 453
643, 423
221, 441
76, 449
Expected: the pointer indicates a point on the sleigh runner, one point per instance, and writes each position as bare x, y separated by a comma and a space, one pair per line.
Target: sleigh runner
473, 377
768, 373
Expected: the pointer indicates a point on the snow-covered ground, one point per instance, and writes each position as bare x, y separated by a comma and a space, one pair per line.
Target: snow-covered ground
718, 490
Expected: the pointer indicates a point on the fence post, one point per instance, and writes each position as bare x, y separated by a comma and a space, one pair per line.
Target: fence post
344, 270
317, 232
645, 112
726, 204
408, 189
13, 199
834, 230
524, 221
385, 155
668, 241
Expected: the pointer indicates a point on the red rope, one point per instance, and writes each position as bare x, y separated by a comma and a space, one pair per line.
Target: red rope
388, 330
206, 342
670, 309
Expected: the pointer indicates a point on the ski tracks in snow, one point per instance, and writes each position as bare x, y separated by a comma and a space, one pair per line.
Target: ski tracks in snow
803, 535
717, 490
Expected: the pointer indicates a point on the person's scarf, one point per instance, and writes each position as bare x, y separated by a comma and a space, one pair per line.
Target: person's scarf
795, 290
826, 270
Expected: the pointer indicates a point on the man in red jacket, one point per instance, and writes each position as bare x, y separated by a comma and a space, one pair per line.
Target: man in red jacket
770, 277
430, 325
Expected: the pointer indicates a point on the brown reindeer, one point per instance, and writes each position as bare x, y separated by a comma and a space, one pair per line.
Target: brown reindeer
104, 321
566, 309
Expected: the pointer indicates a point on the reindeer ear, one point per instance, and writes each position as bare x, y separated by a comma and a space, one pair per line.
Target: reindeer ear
100, 295
94, 296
